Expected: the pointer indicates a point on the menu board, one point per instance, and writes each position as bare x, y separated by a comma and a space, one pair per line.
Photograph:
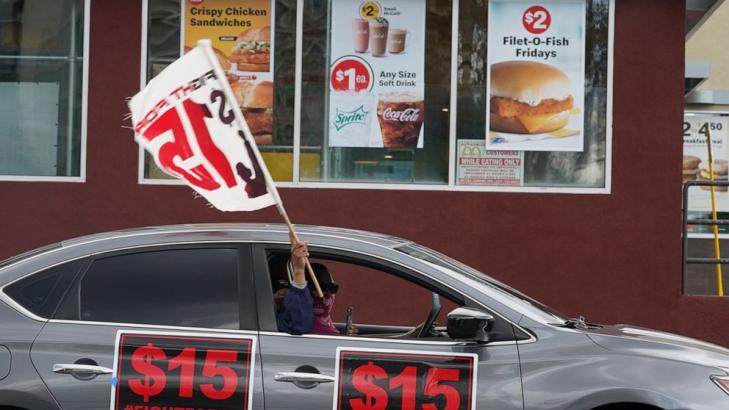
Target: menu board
536, 75
696, 164
242, 35
377, 74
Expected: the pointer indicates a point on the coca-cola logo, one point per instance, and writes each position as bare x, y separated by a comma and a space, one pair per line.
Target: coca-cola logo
406, 115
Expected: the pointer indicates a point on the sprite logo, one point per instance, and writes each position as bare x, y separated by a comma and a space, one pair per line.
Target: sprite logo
344, 118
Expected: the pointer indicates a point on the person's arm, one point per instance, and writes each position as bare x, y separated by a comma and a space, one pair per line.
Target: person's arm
297, 316
299, 253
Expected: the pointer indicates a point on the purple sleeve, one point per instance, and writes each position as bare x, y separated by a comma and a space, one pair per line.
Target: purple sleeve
297, 316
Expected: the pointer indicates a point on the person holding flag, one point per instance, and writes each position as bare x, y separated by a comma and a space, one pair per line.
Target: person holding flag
294, 305
188, 119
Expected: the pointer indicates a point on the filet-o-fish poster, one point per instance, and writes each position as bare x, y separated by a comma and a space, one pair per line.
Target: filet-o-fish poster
536, 75
242, 34
377, 74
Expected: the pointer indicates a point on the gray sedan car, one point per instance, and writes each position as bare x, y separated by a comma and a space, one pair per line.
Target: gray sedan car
184, 317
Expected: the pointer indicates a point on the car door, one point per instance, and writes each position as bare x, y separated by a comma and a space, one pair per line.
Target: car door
384, 366
171, 310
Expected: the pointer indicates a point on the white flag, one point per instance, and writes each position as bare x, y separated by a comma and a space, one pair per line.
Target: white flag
188, 119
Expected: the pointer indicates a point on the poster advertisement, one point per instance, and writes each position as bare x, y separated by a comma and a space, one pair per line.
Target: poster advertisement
242, 35
696, 164
377, 74
480, 167
536, 75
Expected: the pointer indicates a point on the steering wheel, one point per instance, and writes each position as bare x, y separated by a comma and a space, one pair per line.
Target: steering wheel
434, 310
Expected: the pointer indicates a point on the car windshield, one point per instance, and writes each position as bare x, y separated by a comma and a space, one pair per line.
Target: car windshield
527, 304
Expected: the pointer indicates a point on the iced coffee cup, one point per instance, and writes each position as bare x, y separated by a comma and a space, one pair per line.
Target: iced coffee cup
378, 36
401, 116
361, 35
396, 40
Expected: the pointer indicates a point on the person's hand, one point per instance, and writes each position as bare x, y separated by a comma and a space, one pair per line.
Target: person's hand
299, 253
353, 331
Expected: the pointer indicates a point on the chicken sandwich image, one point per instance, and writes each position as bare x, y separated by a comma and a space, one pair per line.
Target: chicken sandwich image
256, 102
253, 50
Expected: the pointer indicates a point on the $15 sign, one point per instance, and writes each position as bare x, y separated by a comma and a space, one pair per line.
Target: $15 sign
165, 370
379, 381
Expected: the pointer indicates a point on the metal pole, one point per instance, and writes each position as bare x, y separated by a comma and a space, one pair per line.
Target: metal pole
715, 228
325, 156
71, 91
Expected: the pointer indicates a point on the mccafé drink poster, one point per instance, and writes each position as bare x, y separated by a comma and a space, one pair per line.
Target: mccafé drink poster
536, 75
242, 35
377, 74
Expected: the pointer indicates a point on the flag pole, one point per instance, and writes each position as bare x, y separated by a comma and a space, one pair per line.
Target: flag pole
243, 125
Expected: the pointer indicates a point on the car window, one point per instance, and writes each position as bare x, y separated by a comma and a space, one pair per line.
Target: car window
181, 287
41, 292
453, 266
383, 302
378, 297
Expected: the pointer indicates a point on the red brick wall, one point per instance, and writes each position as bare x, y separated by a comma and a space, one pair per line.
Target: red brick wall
612, 258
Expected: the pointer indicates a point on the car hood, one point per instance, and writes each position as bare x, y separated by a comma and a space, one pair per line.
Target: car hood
646, 342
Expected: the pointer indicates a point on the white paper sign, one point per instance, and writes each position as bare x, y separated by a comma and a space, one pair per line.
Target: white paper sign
480, 167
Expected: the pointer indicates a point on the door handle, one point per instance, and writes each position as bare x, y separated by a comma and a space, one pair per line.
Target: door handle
296, 377
80, 369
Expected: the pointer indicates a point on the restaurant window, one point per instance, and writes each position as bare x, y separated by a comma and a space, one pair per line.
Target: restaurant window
182, 287
411, 93
264, 86
384, 84
572, 154
42, 45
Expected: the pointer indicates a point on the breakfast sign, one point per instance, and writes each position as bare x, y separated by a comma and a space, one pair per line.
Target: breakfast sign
536, 75
242, 35
696, 126
377, 74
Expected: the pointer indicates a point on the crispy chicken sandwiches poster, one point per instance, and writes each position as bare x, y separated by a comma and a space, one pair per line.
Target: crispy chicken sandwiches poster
377, 74
242, 35
536, 75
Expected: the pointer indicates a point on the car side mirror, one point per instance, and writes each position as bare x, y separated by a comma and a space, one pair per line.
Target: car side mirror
469, 324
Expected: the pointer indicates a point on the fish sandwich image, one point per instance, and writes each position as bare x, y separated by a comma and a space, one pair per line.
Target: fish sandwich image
529, 98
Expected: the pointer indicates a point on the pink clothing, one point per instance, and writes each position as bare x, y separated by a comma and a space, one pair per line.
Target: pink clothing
323, 324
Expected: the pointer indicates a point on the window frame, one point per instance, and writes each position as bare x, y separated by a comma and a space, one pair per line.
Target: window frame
246, 295
66, 282
84, 114
453, 110
266, 308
